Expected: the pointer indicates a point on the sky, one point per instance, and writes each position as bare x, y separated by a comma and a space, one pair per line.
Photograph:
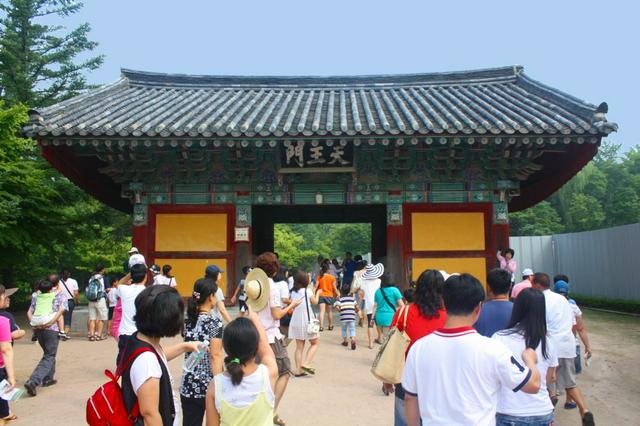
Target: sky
590, 49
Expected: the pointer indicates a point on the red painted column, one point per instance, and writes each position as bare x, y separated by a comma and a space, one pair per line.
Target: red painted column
395, 262
140, 239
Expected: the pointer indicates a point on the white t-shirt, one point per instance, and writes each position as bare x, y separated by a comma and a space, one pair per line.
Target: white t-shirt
271, 325
145, 367
164, 280
215, 312
136, 259
112, 297
70, 284
290, 283
283, 289
128, 294
369, 287
522, 404
560, 321
457, 374
247, 391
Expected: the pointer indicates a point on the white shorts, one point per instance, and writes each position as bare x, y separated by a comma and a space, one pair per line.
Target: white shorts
98, 310
39, 320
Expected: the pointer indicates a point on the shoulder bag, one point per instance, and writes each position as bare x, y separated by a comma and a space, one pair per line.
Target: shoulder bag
67, 288
389, 363
386, 299
313, 326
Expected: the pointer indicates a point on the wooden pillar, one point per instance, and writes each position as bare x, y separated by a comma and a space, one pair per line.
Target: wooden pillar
499, 232
140, 232
395, 262
243, 249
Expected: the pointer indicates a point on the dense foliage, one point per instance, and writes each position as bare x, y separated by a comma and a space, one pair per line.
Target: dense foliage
605, 193
46, 222
299, 245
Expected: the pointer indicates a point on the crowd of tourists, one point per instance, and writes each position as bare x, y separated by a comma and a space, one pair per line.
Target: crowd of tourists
472, 358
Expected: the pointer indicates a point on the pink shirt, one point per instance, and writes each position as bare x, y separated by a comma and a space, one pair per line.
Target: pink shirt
519, 287
510, 265
5, 335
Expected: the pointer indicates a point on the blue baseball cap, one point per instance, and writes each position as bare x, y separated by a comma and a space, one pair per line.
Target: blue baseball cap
212, 269
561, 287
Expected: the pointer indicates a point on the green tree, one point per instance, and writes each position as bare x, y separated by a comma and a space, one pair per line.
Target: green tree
586, 213
41, 64
541, 219
623, 208
290, 248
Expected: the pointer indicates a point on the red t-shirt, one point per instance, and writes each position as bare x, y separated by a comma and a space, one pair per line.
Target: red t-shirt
418, 325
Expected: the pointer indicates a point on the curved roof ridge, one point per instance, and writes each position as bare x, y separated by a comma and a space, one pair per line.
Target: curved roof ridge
557, 93
451, 77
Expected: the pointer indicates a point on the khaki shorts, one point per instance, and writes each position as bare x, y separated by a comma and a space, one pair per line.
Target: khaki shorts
98, 310
282, 357
566, 373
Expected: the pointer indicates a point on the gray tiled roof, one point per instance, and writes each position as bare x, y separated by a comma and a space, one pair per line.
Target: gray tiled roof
492, 101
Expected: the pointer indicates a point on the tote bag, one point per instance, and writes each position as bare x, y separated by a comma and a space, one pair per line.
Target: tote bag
389, 363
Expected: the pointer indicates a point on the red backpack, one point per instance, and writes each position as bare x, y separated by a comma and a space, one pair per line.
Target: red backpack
106, 406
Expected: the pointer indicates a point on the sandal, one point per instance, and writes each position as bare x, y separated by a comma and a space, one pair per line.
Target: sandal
101, 338
92, 338
330, 327
321, 328
303, 374
10, 418
278, 421
309, 370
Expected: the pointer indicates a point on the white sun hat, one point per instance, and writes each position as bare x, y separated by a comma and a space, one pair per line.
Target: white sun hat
373, 271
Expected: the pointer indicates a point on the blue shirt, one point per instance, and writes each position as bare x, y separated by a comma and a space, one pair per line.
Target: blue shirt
349, 266
494, 316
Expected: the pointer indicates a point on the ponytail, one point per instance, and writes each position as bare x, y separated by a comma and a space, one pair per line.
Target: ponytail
234, 368
202, 290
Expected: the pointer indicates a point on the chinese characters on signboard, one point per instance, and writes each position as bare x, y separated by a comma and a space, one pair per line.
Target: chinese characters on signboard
330, 156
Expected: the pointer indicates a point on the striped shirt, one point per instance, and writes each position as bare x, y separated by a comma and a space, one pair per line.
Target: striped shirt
347, 308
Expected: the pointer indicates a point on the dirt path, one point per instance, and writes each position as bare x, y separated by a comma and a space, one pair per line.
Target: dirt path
343, 390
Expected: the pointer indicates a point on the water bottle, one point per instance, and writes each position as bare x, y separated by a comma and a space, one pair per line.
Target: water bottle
195, 358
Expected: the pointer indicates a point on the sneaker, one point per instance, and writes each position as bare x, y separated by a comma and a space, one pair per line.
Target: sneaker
63, 336
587, 419
48, 383
34, 337
570, 405
344, 343
31, 388
353, 345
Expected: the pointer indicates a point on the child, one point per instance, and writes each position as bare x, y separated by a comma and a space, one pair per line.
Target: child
348, 309
112, 301
243, 395
43, 313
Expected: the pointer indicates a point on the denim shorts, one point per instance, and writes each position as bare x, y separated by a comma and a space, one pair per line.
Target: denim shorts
544, 420
326, 300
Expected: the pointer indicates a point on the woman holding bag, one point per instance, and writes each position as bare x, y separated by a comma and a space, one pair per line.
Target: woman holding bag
304, 324
387, 300
425, 315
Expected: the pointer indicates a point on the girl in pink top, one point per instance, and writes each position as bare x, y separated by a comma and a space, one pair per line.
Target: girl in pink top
507, 262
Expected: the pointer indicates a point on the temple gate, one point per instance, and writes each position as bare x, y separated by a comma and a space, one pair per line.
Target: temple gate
207, 164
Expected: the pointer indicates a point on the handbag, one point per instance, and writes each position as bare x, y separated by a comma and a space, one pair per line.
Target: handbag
389, 362
313, 326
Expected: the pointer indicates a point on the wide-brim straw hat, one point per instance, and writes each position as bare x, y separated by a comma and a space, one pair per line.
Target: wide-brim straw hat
373, 271
256, 288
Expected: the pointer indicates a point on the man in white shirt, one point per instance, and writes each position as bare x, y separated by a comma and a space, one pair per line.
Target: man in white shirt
453, 376
69, 287
560, 322
127, 294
